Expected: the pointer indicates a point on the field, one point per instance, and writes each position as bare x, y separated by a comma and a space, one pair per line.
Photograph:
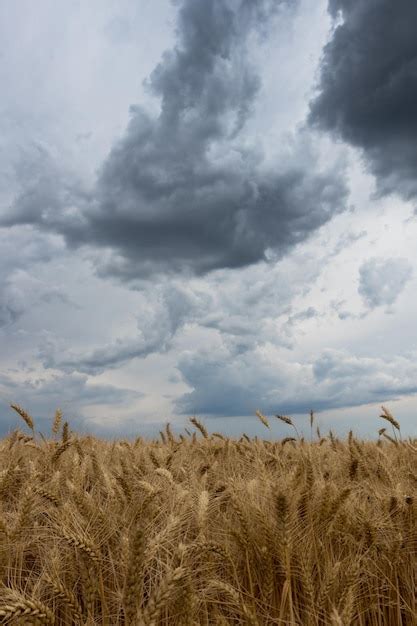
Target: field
201, 529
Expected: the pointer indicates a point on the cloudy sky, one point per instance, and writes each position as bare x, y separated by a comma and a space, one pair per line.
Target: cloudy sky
208, 207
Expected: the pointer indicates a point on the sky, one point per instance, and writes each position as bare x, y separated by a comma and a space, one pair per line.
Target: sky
208, 207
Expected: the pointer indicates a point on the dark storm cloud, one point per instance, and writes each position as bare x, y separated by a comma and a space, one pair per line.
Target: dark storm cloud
368, 87
181, 191
223, 385
381, 280
103, 359
47, 195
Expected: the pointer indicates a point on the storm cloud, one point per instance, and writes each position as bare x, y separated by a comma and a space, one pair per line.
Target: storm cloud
184, 190
368, 87
202, 254
226, 384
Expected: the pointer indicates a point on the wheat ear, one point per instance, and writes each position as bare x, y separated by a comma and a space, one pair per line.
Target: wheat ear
263, 419
25, 416
57, 421
235, 596
84, 546
67, 597
24, 609
134, 577
163, 595
387, 415
200, 426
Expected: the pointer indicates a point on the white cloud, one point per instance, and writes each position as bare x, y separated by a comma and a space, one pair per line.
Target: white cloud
383, 280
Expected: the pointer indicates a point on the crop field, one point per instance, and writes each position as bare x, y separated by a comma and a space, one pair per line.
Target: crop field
198, 528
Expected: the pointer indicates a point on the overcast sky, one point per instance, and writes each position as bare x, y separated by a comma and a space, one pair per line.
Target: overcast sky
208, 207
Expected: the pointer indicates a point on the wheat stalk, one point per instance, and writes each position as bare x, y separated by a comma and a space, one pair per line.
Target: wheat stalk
60, 450
88, 590
162, 435
170, 436
287, 440
263, 419
169, 587
387, 415
82, 544
24, 513
202, 509
67, 596
24, 609
336, 618
200, 427
288, 420
336, 505
134, 576
44, 493
394, 441
285, 419
229, 590
25, 416
57, 421
327, 585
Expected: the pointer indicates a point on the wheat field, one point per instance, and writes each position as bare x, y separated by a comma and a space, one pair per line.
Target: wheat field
198, 528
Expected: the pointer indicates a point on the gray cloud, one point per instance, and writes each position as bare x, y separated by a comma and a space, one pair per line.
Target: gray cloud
302, 315
98, 360
163, 311
340, 307
12, 303
346, 240
226, 385
244, 308
20, 289
47, 194
184, 191
368, 87
381, 280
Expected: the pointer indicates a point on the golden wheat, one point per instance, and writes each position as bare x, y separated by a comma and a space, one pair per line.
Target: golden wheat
25, 416
57, 421
209, 530
27, 610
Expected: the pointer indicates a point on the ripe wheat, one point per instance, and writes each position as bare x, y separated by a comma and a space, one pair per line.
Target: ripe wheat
187, 530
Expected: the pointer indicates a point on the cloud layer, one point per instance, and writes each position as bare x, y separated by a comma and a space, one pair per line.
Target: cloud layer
185, 190
270, 294
228, 384
368, 87
243, 307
